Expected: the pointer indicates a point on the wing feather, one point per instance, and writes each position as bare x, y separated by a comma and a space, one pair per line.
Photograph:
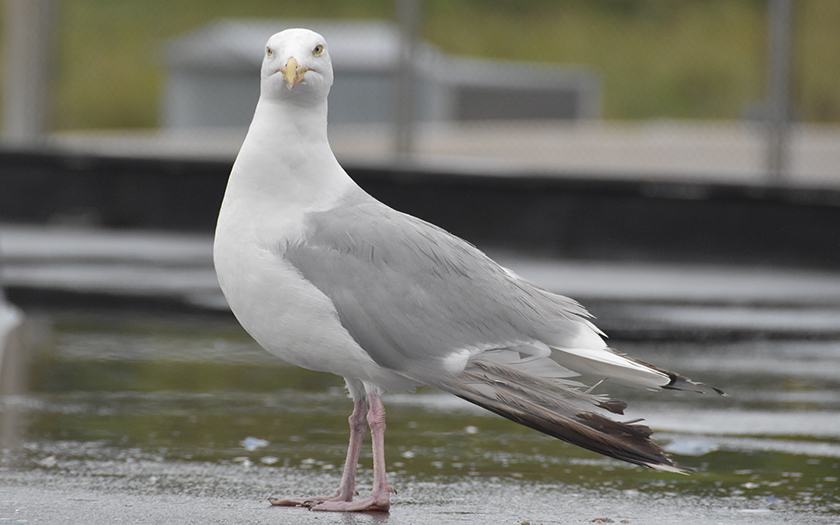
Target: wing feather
524, 400
392, 276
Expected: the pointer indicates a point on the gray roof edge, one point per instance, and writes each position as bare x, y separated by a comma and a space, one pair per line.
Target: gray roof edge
493, 72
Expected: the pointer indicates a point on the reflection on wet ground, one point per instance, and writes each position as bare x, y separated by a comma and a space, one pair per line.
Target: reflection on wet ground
173, 404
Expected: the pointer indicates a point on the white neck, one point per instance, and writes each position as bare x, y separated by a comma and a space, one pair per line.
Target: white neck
283, 136
284, 170
286, 160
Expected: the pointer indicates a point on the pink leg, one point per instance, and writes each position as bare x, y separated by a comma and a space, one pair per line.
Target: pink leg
347, 488
358, 424
380, 498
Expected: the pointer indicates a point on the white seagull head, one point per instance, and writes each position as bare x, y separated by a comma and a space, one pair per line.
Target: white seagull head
296, 66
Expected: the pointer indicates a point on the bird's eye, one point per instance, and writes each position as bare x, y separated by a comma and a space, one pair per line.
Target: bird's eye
319, 50
268, 51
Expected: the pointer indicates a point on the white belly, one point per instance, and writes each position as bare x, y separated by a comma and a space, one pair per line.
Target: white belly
290, 317
285, 314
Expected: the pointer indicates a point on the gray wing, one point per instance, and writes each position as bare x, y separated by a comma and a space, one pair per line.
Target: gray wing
410, 293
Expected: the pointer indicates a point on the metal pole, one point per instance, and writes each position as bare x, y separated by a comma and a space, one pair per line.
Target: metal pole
778, 89
408, 19
26, 76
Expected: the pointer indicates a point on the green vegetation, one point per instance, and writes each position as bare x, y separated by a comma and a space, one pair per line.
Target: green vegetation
657, 58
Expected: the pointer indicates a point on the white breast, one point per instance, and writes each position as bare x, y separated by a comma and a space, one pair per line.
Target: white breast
282, 311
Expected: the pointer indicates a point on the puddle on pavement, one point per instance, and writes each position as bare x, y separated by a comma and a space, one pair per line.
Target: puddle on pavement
198, 390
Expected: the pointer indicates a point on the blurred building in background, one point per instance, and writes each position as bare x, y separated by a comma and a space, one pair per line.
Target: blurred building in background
211, 79
513, 116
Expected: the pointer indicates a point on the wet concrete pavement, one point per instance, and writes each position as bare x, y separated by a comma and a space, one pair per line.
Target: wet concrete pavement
162, 493
183, 419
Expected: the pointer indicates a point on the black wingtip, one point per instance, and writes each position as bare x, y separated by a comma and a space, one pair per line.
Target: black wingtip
679, 382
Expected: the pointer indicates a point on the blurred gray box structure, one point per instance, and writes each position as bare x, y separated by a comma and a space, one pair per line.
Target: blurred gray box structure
212, 79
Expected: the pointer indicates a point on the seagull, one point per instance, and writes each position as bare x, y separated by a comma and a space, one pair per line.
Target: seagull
325, 277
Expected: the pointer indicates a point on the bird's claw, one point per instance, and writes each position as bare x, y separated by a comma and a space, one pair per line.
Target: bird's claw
283, 502
370, 504
297, 502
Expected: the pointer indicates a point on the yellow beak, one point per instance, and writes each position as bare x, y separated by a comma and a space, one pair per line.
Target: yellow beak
292, 72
